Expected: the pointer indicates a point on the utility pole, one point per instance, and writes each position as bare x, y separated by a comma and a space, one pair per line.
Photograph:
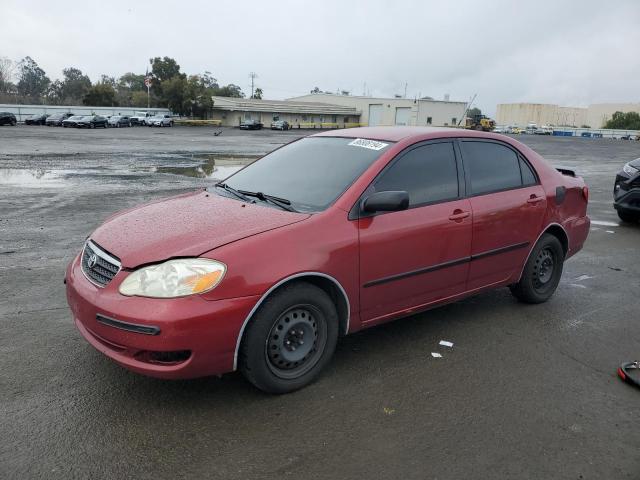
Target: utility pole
405, 89
252, 76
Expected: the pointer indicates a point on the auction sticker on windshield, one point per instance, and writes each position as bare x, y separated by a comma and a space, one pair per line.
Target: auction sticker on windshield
370, 144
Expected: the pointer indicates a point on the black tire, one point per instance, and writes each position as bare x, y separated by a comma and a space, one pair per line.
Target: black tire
273, 354
627, 216
13, 123
542, 272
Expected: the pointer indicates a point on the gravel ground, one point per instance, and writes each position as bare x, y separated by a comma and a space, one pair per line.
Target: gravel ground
525, 392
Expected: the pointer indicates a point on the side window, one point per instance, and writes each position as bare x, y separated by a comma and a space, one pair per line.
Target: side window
490, 167
528, 177
428, 173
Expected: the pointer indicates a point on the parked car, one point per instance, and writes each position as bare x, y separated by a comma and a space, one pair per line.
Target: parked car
626, 192
543, 130
330, 234
250, 125
280, 125
92, 121
118, 121
8, 118
72, 121
37, 119
140, 118
57, 119
160, 121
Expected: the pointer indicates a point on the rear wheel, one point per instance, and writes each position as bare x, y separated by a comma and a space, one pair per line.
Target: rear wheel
627, 216
542, 272
290, 339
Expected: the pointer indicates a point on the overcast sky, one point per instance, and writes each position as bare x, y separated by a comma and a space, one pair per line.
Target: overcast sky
570, 53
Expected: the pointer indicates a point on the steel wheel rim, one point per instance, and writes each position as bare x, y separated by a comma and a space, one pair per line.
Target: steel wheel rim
296, 341
544, 268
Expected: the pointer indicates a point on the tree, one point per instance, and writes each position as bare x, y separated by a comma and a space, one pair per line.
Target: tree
257, 94
7, 71
74, 86
164, 69
33, 82
624, 121
315, 90
472, 112
230, 90
101, 95
174, 94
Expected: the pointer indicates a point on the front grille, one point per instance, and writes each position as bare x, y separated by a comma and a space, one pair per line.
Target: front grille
99, 266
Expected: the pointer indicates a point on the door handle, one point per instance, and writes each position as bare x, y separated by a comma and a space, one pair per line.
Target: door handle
458, 215
533, 199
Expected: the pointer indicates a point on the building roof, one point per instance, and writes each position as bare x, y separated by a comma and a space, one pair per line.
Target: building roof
280, 106
360, 97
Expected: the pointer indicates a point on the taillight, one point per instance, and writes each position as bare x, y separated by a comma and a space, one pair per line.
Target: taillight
585, 193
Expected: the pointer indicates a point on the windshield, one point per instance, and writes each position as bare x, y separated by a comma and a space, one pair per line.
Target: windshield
87, 117
311, 173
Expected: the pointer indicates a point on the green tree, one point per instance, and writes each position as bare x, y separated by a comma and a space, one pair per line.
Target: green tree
624, 121
164, 69
101, 95
315, 90
138, 99
230, 90
73, 87
472, 112
33, 81
175, 94
258, 94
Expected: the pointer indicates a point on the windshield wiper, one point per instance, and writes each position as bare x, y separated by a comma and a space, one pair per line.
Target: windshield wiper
235, 192
277, 201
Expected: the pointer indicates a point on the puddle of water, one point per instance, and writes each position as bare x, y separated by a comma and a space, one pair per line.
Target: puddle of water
214, 167
28, 178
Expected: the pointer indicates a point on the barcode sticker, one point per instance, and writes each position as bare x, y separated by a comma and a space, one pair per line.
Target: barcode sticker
370, 144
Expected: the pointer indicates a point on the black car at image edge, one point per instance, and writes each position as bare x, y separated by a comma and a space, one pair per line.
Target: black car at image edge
8, 118
626, 192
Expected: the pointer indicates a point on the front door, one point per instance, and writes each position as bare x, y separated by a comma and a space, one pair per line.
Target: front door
414, 257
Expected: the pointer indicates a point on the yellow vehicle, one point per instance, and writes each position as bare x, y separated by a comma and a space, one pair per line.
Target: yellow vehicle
480, 122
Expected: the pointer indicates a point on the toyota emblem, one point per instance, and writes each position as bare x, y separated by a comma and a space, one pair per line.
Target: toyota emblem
93, 259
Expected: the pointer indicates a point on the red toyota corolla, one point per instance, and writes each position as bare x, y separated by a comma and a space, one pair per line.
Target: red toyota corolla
325, 236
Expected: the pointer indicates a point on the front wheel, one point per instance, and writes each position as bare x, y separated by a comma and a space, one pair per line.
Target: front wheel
542, 272
290, 339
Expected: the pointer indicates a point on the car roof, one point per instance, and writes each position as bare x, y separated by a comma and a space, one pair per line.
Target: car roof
398, 133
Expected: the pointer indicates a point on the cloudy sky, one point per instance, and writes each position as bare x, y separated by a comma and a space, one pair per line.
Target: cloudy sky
565, 52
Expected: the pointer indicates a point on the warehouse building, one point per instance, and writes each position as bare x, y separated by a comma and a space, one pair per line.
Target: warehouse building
232, 111
594, 116
394, 111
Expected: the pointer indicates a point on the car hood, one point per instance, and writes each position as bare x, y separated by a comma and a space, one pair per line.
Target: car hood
185, 226
635, 163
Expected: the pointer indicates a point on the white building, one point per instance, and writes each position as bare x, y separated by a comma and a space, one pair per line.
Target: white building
595, 115
231, 111
394, 111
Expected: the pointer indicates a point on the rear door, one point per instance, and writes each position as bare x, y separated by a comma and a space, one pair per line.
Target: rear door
417, 256
508, 205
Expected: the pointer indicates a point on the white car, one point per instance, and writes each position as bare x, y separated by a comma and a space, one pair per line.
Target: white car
160, 121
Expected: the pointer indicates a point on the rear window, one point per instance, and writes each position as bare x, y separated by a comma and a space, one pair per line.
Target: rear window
491, 167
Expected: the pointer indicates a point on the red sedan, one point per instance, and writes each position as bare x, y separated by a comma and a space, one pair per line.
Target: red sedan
325, 236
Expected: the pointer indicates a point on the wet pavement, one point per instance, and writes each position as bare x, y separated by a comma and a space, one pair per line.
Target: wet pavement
525, 391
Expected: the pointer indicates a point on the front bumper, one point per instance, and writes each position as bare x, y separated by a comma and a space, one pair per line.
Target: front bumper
626, 192
206, 330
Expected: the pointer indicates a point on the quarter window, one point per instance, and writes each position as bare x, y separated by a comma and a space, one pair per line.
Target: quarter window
491, 167
428, 173
528, 177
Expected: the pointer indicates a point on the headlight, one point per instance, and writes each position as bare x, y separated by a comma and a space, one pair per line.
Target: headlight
629, 170
175, 278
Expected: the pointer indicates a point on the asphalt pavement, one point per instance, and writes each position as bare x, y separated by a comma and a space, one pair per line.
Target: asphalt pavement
526, 391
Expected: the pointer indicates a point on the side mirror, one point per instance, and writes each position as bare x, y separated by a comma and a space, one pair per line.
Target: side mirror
390, 201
